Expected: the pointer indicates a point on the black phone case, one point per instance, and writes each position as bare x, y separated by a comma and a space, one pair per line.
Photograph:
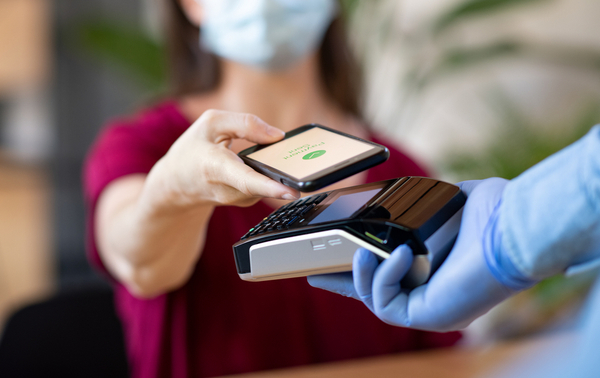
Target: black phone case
324, 178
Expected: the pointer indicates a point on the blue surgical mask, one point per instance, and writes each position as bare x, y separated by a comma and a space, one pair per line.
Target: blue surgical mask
266, 34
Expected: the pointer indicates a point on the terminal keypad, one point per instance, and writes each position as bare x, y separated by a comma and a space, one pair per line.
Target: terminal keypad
286, 215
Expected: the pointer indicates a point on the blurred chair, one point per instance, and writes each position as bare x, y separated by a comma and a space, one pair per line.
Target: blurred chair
73, 334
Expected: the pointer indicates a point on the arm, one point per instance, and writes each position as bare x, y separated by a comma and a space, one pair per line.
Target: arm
512, 235
151, 229
550, 215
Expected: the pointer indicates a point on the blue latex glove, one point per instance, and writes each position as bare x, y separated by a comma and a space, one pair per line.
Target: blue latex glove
472, 280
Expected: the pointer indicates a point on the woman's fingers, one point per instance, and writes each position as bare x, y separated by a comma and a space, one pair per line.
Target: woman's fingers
253, 184
215, 173
221, 126
218, 126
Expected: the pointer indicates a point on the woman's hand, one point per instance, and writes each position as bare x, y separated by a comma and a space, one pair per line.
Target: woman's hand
200, 169
150, 230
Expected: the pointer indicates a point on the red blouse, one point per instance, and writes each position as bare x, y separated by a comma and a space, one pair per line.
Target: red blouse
217, 324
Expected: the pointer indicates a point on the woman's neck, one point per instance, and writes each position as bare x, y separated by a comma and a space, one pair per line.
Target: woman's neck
285, 99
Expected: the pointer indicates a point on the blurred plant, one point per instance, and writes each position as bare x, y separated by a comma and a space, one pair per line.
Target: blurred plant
349, 6
124, 47
473, 8
434, 50
455, 57
519, 142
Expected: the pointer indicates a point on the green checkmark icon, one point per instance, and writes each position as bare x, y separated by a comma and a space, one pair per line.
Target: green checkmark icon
313, 155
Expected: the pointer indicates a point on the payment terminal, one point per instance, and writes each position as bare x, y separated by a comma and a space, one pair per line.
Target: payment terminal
320, 233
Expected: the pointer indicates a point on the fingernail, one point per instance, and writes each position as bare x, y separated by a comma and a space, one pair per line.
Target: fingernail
289, 197
275, 132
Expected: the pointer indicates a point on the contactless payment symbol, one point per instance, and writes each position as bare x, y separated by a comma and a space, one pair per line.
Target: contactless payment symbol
313, 155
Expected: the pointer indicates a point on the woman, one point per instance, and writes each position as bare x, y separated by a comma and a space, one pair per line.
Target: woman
167, 200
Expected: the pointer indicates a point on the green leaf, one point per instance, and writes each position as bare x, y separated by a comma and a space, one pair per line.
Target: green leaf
349, 7
126, 47
518, 143
474, 8
573, 56
459, 58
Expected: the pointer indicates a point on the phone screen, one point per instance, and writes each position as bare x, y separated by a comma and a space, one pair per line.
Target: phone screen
310, 152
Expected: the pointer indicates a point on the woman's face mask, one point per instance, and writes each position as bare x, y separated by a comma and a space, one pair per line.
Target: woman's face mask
266, 34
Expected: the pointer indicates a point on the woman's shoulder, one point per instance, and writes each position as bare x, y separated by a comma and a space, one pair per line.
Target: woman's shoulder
163, 115
165, 118
153, 128
132, 144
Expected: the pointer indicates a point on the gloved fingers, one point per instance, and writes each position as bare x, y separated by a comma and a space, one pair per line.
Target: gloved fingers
468, 186
364, 265
339, 283
388, 300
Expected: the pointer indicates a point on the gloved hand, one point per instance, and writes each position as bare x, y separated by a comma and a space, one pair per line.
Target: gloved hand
473, 278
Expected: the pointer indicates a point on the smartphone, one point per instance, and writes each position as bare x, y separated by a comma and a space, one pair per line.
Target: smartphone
313, 156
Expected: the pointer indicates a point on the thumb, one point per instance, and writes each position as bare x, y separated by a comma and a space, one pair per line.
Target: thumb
219, 126
364, 265
467, 187
391, 305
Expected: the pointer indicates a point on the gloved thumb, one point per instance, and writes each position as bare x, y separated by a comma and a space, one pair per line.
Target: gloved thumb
468, 186
367, 269
339, 283
388, 299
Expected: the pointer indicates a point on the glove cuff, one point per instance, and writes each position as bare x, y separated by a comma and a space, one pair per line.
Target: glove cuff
501, 267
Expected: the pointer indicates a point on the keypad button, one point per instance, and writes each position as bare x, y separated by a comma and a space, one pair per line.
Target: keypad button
310, 199
286, 215
321, 198
302, 201
296, 212
287, 205
306, 209
291, 221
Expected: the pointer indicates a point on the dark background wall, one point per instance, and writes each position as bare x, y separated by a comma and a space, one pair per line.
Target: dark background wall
86, 94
